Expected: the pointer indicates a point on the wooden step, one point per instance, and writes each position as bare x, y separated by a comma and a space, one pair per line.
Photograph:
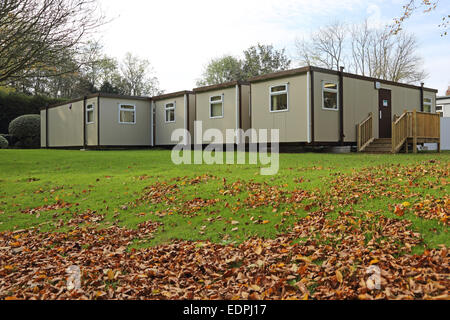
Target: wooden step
383, 145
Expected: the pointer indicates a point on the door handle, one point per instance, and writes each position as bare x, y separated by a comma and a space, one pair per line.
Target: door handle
381, 115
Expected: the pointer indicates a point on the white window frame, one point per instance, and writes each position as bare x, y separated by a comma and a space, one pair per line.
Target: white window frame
331, 91
174, 103
90, 108
278, 93
129, 110
216, 102
428, 104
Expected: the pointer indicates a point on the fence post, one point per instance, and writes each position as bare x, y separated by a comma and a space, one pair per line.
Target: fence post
414, 128
439, 133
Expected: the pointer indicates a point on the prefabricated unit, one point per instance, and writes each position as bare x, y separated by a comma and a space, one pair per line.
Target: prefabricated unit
317, 106
172, 111
223, 106
97, 121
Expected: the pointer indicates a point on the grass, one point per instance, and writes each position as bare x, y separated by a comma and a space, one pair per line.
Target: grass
110, 182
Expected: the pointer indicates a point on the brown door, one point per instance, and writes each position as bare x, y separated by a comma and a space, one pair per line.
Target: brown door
385, 113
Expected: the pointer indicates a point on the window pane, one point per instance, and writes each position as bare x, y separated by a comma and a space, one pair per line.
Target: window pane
216, 110
427, 100
279, 102
90, 116
329, 85
278, 89
330, 100
438, 108
426, 108
126, 116
127, 107
169, 105
216, 98
170, 115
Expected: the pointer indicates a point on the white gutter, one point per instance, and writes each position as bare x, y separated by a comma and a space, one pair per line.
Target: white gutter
152, 109
308, 106
238, 140
186, 124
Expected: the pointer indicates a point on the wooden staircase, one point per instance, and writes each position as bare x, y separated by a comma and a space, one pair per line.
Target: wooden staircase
379, 146
411, 128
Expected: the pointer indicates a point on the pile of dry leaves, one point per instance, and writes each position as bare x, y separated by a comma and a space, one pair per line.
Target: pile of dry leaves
345, 258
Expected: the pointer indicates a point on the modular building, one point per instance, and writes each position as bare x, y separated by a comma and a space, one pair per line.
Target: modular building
97, 121
317, 106
172, 111
224, 106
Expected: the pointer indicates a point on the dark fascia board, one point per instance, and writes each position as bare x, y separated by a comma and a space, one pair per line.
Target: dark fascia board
172, 95
101, 95
220, 86
280, 74
443, 98
298, 71
359, 77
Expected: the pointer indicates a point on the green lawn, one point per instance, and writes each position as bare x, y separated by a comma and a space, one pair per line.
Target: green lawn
221, 203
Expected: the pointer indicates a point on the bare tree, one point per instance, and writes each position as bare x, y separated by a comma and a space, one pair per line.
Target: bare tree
36, 34
326, 47
381, 54
360, 35
138, 77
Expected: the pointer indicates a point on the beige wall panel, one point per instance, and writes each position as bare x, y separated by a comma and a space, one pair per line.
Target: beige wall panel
65, 125
191, 115
113, 133
245, 112
292, 123
164, 130
360, 98
228, 121
43, 131
92, 128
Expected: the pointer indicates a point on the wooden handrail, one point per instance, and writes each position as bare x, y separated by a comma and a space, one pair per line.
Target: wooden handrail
399, 132
365, 132
415, 125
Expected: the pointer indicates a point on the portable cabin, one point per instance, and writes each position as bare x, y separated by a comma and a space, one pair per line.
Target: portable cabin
223, 106
316, 106
97, 121
172, 111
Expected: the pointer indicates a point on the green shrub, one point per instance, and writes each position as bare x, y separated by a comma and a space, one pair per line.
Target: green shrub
27, 130
3, 143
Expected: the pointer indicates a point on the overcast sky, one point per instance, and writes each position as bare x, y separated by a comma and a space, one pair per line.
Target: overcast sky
179, 37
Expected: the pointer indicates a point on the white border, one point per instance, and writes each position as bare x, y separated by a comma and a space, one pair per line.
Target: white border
216, 102
332, 91
93, 113
286, 84
134, 110
308, 106
174, 108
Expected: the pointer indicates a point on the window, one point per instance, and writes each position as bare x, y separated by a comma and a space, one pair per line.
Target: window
427, 102
170, 112
330, 96
216, 106
90, 114
127, 114
279, 98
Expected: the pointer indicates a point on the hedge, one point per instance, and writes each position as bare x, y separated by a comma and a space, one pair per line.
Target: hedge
13, 105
